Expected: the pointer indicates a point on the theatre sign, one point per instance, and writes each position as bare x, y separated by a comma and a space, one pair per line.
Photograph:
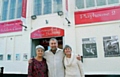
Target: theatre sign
11, 26
97, 15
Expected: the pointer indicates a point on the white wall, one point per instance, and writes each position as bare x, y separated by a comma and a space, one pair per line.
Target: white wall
21, 41
19, 44
2, 45
70, 30
101, 64
14, 45
53, 20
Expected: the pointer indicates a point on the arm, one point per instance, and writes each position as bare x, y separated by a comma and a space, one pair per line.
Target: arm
81, 68
30, 70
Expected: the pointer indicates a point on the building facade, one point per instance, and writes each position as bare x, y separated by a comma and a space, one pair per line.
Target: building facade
90, 27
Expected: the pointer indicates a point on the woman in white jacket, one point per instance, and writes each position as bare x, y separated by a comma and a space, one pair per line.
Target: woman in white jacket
73, 67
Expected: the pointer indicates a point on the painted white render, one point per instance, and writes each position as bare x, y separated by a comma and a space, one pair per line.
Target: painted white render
20, 42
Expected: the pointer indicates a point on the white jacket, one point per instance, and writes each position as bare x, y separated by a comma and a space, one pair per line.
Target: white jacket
73, 67
55, 63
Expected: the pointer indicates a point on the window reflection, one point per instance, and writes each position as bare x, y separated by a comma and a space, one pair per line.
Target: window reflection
37, 7
79, 4
101, 2
19, 8
12, 9
5, 9
57, 5
47, 6
42, 7
113, 1
90, 3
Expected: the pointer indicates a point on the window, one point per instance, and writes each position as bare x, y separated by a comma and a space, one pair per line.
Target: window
47, 6
113, 1
101, 2
11, 9
5, 9
57, 5
19, 8
84, 4
42, 7
90, 3
0, 10
38, 4
79, 4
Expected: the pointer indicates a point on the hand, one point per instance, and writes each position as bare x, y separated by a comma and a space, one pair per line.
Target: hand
30, 61
79, 57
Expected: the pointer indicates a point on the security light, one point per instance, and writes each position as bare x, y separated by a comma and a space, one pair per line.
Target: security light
33, 17
60, 13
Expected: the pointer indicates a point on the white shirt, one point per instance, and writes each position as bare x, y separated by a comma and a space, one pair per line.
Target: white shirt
55, 63
73, 67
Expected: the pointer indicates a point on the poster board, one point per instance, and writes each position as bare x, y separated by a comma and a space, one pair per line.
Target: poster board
104, 64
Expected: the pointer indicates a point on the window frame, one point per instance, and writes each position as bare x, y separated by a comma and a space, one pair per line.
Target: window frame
10, 9
8, 12
42, 8
86, 3
18, 11
0, 10
96, 7
51, 8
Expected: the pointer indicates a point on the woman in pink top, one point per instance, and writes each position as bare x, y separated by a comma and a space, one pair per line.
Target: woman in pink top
38, 66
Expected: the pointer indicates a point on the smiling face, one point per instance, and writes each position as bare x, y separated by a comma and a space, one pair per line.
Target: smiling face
39, 52
53, 44
67, 51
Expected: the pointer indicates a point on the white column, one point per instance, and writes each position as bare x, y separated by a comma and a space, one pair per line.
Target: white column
70, 37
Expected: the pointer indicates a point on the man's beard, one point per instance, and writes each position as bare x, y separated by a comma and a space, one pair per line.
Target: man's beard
53, 49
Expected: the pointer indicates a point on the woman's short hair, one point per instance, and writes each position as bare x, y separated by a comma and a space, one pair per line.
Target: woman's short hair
40, 46
66, 46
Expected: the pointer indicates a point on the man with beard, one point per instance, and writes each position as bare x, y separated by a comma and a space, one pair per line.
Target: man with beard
54, 58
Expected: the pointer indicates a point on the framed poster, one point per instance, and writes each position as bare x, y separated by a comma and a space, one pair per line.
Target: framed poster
25, 56
17, 57
9, 56
111, 46
89, 47
1, 57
